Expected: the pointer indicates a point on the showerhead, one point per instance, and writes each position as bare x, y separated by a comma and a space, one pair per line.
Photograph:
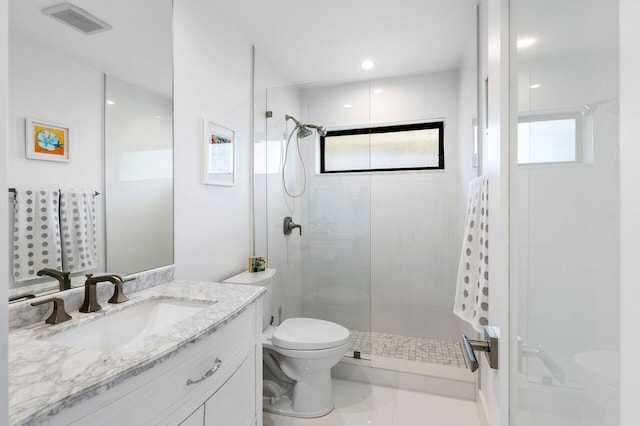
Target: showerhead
303, 131
322, 131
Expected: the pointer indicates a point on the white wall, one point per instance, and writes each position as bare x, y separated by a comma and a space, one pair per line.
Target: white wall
4, 238
630, 209
415, 218
212, 71
395, 235
65, 92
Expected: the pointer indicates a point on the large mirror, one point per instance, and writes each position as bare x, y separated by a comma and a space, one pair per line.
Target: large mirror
103, 71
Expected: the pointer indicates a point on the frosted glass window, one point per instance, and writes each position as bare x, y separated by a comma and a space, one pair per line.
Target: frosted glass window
548, 140
404, 147
348, 152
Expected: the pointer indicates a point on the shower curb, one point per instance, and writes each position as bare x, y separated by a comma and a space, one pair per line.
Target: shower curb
441, 380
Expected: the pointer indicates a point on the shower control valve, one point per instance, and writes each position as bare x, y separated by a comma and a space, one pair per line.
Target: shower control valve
288, 226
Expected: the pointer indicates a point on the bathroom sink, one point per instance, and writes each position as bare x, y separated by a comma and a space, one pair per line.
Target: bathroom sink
124, 329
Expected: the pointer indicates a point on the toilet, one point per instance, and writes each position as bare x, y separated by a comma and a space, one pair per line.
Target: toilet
297, 357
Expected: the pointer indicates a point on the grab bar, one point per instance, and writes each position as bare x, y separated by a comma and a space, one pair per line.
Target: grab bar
489, 346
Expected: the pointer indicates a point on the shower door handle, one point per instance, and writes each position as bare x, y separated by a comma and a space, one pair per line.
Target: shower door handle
489, 346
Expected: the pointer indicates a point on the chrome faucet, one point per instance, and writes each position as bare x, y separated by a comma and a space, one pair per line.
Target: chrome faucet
91, 294
62, 277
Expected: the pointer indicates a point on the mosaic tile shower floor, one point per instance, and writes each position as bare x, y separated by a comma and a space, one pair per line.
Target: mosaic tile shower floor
417, 349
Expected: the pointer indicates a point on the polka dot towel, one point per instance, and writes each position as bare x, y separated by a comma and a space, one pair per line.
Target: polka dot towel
36, 233
472, 292
78, 230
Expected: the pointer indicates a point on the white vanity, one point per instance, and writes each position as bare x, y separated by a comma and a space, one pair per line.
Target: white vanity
203, 368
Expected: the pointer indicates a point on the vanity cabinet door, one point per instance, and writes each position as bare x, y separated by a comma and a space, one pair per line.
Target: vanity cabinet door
235, 403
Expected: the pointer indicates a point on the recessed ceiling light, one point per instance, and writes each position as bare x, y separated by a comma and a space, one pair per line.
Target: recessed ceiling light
378, 91
526, 42
157, 116
535, 86
110, 103
367, 65
347, 105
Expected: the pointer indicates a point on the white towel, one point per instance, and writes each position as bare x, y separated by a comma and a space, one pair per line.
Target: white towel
78, 230
472, 288
36, 233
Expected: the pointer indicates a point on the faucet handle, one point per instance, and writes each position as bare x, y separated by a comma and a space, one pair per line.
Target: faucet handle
118, 294
59, 314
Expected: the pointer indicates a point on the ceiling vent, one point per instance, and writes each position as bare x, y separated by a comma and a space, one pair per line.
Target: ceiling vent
76, 18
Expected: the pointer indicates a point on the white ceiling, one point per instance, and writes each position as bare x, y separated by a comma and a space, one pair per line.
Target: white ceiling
308, 41
138, 49
320, 41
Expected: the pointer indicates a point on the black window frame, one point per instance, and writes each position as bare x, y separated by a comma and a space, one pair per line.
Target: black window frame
386, 129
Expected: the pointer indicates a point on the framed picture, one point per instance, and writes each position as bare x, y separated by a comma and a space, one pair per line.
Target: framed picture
46, 141
218, 155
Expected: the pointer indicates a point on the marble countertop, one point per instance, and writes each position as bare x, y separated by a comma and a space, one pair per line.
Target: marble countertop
45, 378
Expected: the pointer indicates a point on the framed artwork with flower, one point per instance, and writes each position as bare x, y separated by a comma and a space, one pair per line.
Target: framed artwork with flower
46, 141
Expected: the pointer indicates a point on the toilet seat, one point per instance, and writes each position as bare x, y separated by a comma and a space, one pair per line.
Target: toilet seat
305, 334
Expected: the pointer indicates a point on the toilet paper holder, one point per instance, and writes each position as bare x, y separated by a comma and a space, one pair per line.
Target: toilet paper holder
489, 346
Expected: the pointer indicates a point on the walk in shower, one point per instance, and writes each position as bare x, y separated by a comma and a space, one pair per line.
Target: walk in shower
379, 251
381, 227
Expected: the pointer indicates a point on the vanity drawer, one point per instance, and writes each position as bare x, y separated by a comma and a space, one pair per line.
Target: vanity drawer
163, 392
233, 404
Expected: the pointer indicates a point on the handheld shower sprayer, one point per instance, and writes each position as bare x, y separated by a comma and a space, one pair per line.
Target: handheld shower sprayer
303, 130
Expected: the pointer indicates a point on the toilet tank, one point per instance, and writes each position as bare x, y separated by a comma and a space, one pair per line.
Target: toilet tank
265, 279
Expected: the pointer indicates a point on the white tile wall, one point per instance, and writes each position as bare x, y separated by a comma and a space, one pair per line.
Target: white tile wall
395, 235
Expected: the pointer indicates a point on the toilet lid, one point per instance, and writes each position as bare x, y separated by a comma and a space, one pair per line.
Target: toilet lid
309, 333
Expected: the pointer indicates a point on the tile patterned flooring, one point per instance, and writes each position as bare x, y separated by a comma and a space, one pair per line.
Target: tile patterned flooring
418, 349
365, 404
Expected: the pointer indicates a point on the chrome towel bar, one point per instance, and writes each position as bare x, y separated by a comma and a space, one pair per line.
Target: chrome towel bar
13, 190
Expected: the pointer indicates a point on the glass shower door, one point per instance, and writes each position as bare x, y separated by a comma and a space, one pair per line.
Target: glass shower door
325, 269
564, 211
